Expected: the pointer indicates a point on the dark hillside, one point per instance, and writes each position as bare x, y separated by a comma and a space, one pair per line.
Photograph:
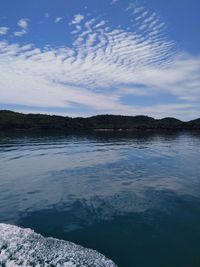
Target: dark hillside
10, 120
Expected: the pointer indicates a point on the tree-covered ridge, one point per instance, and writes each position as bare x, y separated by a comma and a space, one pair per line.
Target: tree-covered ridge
10, 120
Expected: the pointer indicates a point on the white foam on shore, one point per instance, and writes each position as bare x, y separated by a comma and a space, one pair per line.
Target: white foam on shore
23, 247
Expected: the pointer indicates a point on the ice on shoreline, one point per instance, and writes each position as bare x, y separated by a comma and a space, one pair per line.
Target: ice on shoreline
23, 247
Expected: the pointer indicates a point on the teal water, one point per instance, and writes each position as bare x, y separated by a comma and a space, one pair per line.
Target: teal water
133, 197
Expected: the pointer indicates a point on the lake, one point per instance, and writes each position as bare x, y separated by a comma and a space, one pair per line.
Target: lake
134, 197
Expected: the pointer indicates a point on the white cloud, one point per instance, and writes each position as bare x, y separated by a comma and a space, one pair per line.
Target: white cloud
4, 30
100, 24
77, 19
23, 23
133, 7
20, 33
101, 68
58, 19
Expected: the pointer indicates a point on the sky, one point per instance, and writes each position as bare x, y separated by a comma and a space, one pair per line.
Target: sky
89, 57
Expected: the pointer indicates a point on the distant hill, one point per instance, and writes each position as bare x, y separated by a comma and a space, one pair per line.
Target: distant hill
10, 120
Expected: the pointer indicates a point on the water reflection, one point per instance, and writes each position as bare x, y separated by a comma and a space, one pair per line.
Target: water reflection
84, 187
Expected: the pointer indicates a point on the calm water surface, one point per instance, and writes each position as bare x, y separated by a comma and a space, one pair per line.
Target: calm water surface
133, 197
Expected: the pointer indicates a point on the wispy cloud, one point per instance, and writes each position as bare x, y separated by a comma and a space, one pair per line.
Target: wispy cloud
23, 24
114, 2
4, 30
46, 15
77, 19
100, 24
20, 33
58, 19
100, 68
135, 8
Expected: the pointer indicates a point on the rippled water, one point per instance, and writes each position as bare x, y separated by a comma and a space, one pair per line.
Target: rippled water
133, 197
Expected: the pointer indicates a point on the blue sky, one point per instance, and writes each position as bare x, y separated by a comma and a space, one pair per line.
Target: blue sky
81, 58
